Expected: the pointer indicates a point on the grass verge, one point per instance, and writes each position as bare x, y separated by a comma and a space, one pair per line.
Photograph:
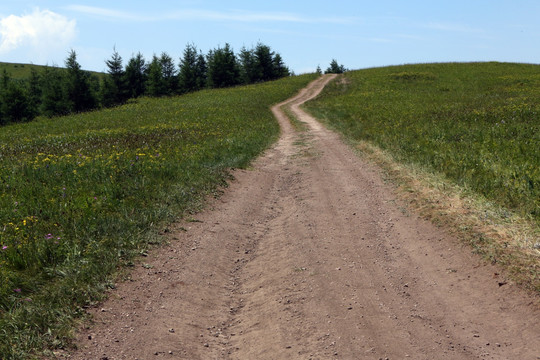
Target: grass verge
466, 138
82, 195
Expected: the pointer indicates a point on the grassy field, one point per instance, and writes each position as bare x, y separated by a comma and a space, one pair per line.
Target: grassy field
82, 195
18, 71
476, 124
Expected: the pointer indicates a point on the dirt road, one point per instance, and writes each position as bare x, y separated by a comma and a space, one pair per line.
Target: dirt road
310, 256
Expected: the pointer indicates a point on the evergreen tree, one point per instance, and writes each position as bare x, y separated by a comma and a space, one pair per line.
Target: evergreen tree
114, 88
188, 78
280, 69
135, 76
168, 73
335, 68
223, 69
54, 99
202, 72
80, 93
155, 85
265, 62
34, 92
261, 64
4, 83
15, 104
249, 71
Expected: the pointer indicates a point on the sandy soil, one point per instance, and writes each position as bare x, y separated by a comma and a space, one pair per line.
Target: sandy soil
310, 256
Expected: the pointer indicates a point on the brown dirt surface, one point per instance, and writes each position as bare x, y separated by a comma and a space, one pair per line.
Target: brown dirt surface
309, 255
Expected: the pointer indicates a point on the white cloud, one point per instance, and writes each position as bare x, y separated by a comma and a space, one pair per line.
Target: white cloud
245, 16
41, 31
205, 15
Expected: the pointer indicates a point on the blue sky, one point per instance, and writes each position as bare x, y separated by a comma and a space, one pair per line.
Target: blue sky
359, 34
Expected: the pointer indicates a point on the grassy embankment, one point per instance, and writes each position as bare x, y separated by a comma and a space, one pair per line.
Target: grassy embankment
462, 138
82, 195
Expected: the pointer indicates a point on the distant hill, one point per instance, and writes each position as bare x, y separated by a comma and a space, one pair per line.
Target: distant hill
22, 71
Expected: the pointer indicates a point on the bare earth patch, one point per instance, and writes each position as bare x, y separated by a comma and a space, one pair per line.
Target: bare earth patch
309, 255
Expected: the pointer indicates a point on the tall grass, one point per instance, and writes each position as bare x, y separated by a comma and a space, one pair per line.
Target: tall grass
82, 195
477, 123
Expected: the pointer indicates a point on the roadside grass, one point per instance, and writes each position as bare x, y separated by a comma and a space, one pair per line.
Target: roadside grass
82, 195
462, 140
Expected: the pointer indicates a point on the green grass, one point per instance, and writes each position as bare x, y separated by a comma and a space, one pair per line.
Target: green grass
476, 123
82, 195
18, 71
461, 141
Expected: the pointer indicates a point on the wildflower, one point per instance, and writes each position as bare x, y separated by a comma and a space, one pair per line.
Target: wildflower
48, 236
4, 247
17, 290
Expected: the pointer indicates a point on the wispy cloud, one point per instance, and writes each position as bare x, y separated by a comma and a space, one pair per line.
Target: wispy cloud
41, 31
207, 15
108, 13
452, 27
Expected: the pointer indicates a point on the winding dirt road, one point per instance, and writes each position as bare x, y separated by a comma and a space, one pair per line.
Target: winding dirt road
310, 256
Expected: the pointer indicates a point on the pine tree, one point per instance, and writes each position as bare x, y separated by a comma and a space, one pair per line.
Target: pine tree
223, 69
202, 72
135, 76
265, 62
188, 76
4, 83
155, 85
249, 71
114, 88
79, 91
280, 70
335, 68
34, 91
54, 99
168, 73
15, 105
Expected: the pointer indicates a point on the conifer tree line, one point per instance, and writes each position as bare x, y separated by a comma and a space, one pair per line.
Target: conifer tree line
60, 91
